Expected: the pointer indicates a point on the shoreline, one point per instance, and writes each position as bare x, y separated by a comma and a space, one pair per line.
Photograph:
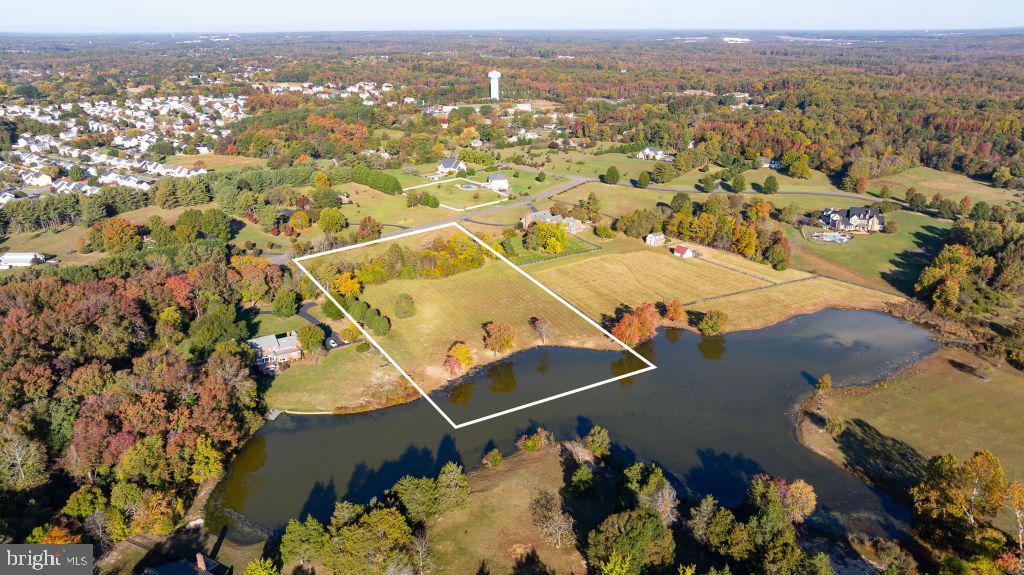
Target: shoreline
415, 395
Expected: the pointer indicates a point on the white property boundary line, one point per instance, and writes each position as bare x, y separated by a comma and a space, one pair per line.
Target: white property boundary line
650, 366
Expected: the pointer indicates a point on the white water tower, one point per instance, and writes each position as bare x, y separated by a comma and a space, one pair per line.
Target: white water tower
495, 76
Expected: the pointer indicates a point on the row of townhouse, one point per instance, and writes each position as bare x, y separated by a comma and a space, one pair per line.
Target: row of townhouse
129, 180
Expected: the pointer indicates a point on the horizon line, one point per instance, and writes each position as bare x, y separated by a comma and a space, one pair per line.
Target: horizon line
155, 32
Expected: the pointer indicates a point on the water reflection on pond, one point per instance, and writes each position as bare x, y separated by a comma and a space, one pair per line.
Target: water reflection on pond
714, 413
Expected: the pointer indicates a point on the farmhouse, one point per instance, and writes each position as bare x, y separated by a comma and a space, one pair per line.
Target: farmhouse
651, 153
853, 220
21, 260
572, 225
681, 251
448, 165
497, 182
657, 239
274, 350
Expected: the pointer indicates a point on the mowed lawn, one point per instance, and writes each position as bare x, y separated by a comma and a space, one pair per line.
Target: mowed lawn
452, 195
889, 262
616, 201
953, 186
344, 381
934, 407
64, 244
456, 308
628, 272
585, 164
498, 518
753, 295
385, 208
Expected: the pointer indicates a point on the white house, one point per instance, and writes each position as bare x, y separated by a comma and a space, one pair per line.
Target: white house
449, 165
33, 178
657, 239
651, 153
498, 182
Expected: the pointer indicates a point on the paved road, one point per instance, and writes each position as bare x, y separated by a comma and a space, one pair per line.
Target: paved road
329, 332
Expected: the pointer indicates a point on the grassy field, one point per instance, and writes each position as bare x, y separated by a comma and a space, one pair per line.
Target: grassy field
389, 133
343, 380
936, 406
626, 271
63, 244
451, 195
215, 161
953, 186
620, 200
889, 262
586, 164
270, 324
616, 200
809, 202
386, 208
817, 181
493, 532
141, 216
455, 309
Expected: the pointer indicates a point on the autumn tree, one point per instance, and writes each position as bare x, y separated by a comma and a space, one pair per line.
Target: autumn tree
346, 284
117, 235
311, 338
499, 337
332, 220
22, 460
321, 180
675, 311
369, 229
299, 220
1015, 505
712, 322
458, 359
971, 492
638, 325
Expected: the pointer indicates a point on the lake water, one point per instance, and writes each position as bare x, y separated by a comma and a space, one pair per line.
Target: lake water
714, 413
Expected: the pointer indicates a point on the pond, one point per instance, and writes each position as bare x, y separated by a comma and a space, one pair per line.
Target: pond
716, 412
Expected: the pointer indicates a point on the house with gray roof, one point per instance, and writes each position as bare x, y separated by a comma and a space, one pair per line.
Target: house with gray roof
274, 350
449, 165
862, 219
572, 225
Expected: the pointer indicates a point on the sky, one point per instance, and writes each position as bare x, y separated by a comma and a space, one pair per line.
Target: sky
139, 16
